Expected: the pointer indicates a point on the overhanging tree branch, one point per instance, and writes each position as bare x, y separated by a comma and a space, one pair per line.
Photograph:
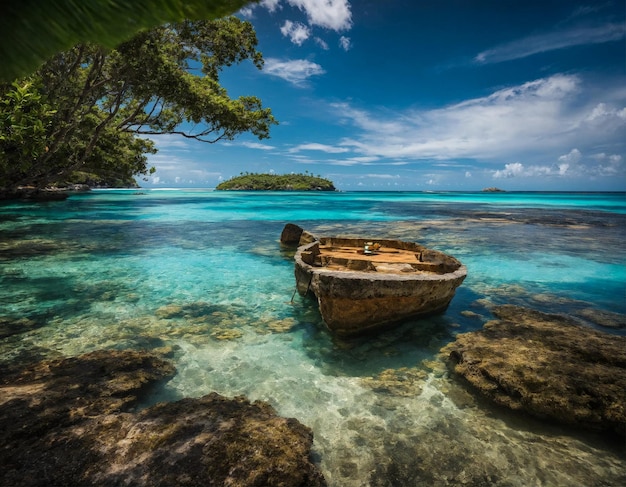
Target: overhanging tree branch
105, 99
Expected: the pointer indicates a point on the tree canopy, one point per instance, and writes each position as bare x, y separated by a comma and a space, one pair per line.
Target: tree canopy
87, 108
31, 31
277, 182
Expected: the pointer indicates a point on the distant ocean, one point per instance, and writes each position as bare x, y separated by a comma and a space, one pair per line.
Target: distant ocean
203, 272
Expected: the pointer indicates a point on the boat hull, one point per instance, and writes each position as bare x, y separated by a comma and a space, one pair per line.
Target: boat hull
357, 302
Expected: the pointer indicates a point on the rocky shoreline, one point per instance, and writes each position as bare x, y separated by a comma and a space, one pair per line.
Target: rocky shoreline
72, 422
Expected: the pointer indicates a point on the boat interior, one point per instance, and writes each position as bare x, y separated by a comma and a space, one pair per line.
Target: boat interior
377, 256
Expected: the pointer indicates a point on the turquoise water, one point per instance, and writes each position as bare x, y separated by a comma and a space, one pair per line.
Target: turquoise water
202, 273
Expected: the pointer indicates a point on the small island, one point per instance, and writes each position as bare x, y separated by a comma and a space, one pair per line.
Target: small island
493, 190
276, 182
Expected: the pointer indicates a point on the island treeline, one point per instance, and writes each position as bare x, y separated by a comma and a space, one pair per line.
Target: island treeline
276, 182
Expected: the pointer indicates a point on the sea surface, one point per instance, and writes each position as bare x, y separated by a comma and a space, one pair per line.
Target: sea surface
202, 273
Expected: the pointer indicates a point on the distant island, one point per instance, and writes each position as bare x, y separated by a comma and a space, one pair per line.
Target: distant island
494, 190
276, 182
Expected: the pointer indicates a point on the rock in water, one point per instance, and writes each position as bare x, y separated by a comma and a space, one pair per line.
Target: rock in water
291, 234
548, 366
69, 422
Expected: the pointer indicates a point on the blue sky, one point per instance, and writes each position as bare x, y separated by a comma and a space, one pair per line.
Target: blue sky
416, 95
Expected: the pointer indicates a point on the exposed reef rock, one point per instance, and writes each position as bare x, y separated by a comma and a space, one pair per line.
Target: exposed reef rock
291, 234
548, 366
69, 422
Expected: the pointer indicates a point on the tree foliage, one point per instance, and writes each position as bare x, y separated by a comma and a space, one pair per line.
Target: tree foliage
31, 31
277, 182
86, 109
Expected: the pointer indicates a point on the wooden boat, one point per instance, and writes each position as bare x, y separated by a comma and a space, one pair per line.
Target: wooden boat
365, 285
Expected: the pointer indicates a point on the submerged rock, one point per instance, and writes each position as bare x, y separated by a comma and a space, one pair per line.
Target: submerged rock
605, 319
9, 327
70, 422
548, 366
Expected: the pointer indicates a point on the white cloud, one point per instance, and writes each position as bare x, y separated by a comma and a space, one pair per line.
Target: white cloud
510, 170
257, 145
531, 119
270, 5
381, 176
572, 158
573, 164
329, 14
172, 142
559, 39
296, 71
371, 159
247, 12
297, 32
345, 43
609, 165
319, 147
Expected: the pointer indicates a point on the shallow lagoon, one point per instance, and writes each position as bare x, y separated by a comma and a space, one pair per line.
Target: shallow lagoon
202, 273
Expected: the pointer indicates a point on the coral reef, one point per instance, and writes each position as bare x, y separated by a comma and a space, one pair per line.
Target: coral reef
70, 422
548, 366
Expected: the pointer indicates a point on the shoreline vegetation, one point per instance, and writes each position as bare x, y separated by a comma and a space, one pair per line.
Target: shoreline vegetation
276, 182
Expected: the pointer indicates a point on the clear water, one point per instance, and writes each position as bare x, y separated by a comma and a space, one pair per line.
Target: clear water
202, 273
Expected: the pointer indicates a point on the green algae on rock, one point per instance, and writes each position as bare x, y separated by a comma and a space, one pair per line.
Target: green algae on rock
70, 422
548, 366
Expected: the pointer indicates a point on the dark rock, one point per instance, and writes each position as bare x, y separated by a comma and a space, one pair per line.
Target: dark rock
291, 234
548, 366
70, 422
9, 326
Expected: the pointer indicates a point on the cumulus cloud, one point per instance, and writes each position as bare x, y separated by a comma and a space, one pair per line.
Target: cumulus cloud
559, 39
608, 165
297, 32
247, 12
573, 164
335, 15
329, 14
510, 170
271, 5
296, 71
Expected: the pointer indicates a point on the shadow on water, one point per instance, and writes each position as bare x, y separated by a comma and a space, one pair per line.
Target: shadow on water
404, 345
